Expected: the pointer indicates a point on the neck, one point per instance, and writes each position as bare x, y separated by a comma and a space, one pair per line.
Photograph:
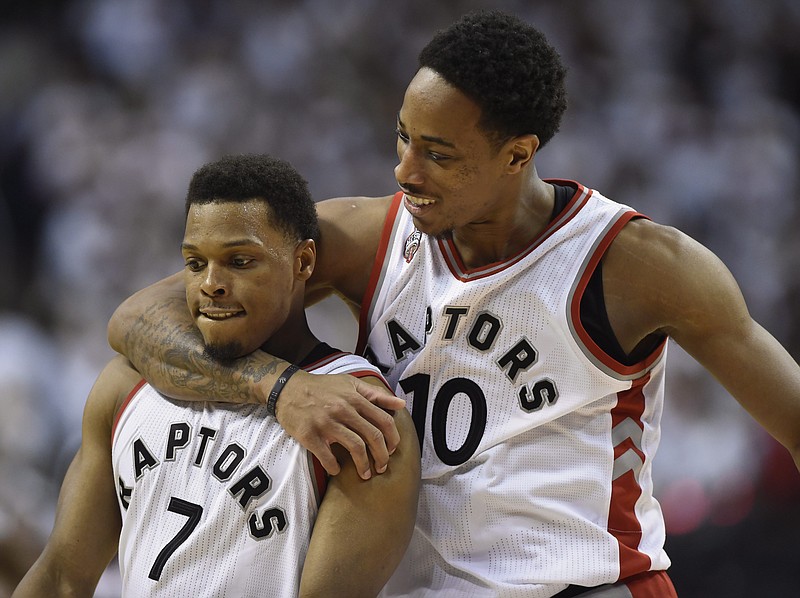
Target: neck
497, 240
292, 342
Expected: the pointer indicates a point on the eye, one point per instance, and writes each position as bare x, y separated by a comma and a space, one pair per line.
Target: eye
402, 136
241, 262
437, 157
193, 264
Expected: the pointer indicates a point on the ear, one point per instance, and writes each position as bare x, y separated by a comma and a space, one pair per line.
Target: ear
305, 258
521, 151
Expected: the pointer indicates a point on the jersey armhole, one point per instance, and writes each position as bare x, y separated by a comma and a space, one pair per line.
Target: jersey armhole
124, 406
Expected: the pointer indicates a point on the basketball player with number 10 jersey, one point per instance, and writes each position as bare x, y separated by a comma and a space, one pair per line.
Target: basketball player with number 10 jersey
536, 443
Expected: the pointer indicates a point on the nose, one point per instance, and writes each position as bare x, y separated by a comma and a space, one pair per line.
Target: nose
214, 283
409, 170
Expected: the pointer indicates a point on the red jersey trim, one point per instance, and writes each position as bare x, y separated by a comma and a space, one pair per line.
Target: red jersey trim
652, 584
124, 406
604, 358
367, 374
464, 274
323, 361
377, 270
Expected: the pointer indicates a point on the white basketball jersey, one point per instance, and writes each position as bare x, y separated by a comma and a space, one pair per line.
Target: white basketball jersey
216, 499
536, 445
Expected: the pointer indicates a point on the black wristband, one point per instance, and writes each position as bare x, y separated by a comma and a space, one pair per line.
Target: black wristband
279, 384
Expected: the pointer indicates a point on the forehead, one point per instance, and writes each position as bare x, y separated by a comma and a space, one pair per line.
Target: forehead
231, 220
434, 107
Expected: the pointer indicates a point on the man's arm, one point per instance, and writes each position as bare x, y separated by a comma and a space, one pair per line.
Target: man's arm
364, 527
154, 330
676, 286
87, 525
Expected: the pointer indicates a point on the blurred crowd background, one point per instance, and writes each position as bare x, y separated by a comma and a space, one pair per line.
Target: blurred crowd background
688, 110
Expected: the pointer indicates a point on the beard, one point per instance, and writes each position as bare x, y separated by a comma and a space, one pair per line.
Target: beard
440, 235
224, 352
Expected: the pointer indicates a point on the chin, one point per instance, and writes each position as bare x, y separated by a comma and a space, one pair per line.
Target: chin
225, 352
437, 233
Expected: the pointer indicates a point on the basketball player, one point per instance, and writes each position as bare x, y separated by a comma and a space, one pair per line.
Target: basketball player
215, 499
525, 322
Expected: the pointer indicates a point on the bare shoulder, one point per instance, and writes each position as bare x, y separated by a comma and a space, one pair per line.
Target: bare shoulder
115, 382
337, 208
350, 233
658, 279
650, 240
662, 255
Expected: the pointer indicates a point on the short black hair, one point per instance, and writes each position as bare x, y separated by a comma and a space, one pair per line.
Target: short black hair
258, 176
508, 68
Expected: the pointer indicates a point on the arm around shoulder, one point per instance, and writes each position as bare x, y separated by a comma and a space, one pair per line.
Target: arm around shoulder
155, 331
164, 298
364, 526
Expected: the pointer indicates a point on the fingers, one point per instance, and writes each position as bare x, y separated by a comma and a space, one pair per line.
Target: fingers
338, 423
319, 411
380, 396
355, 432
380, 399
379, 431
320, 446
354, 445
325, 456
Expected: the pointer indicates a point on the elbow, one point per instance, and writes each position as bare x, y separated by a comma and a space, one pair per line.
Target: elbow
43, 581
117, 326
131, 312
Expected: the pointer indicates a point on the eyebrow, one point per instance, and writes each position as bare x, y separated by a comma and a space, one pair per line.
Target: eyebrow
226, 245
429, 138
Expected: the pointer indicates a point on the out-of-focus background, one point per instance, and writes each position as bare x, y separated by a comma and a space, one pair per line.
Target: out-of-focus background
688, 110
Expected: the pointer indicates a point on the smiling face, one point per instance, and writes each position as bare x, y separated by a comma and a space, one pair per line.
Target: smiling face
451, 173
242, 275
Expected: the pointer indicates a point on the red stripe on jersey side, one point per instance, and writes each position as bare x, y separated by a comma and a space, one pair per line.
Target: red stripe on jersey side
575, 308
377, 266
124, 405
653, 584
457, 268
625, 490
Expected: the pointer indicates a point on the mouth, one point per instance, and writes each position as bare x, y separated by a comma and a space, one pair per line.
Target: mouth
418, 202
218, 313
416, 205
